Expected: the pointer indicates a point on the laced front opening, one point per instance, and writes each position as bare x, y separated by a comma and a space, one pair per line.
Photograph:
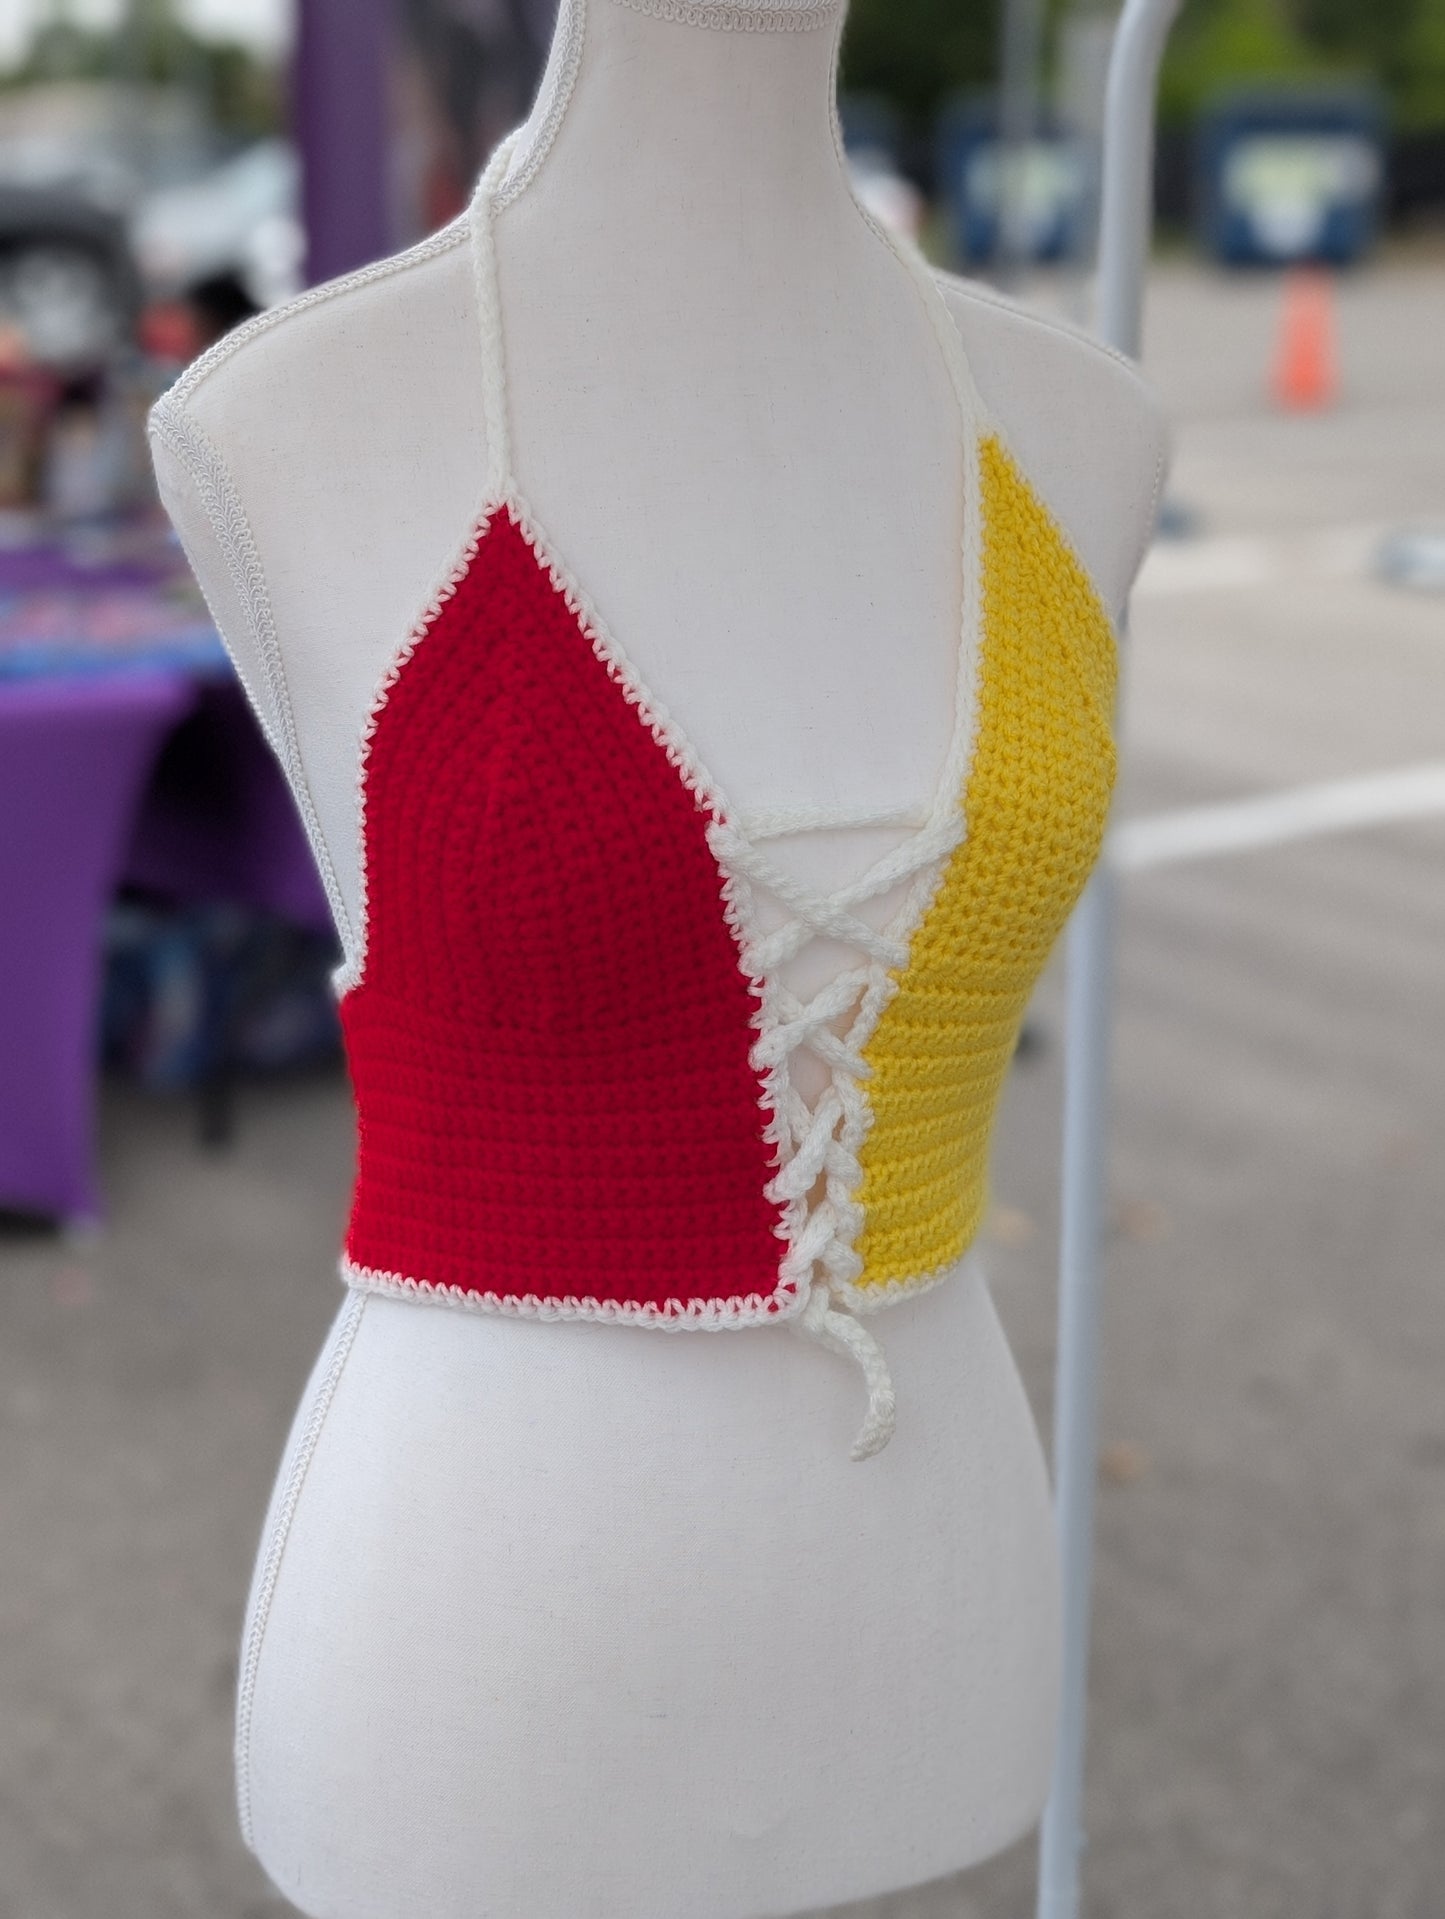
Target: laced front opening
819, 1171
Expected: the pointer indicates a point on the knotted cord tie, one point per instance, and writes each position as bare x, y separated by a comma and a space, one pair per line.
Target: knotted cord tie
821, 1141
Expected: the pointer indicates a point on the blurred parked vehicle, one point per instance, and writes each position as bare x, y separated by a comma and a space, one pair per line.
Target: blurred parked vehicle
1287, 174
68, 285
1045, 185
241, 220
198, 206
104, 142
73, 388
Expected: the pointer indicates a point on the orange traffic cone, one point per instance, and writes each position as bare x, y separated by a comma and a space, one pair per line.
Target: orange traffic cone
1305, 374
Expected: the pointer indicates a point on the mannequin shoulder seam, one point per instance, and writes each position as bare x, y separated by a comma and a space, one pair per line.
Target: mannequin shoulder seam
220, 499
200, 370
1151, 518
956, 286
169, 424
956, 289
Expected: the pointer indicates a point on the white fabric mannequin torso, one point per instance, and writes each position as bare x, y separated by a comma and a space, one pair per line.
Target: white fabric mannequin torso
567, 1619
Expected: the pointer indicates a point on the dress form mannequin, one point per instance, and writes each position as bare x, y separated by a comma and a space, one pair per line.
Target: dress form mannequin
560, 1619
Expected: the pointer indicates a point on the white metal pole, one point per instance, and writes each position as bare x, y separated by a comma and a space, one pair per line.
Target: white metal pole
1124, 232
1126, 194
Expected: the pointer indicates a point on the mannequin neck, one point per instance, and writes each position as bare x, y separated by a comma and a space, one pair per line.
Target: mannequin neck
662, 97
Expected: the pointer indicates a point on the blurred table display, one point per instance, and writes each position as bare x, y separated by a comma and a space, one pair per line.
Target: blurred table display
220, 950
160, 896
103, 599
73, 760
27, 400
217, 821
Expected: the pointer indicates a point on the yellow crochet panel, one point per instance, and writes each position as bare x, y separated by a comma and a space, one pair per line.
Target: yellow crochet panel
1035, 801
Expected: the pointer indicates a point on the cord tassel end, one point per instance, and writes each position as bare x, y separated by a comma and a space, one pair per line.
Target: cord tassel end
833, 1326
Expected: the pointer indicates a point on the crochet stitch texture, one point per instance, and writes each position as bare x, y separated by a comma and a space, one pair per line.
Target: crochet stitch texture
536, 1136
525, 1115
1036, 800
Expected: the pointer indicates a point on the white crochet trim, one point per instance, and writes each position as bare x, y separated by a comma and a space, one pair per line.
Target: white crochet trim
735, 892
494, 404
227, 517
667, 731
822, 1141
280, 1532
489, 318
560, 77
349, 973
807, 1141
749, 1309
778, 822
673, 1315
735, 16
819, 1268
877, 1296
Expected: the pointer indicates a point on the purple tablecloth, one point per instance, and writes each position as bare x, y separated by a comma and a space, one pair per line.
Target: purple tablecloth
74, 756
217, 822
127, 755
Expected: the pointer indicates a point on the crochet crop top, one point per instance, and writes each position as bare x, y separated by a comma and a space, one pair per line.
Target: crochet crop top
535, 1136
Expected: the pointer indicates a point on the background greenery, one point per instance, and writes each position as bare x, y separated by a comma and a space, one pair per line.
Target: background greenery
913, 51
241, 95
916, 51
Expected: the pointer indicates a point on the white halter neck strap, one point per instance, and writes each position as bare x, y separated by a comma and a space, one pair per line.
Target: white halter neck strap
819, 1143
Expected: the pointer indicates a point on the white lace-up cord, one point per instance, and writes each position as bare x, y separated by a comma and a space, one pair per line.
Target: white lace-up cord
823, 1140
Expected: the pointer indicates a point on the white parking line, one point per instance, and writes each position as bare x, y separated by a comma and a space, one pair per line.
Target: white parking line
1302, 812
1241, 560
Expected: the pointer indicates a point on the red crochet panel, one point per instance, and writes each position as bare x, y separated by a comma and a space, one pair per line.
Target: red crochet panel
549, 1042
